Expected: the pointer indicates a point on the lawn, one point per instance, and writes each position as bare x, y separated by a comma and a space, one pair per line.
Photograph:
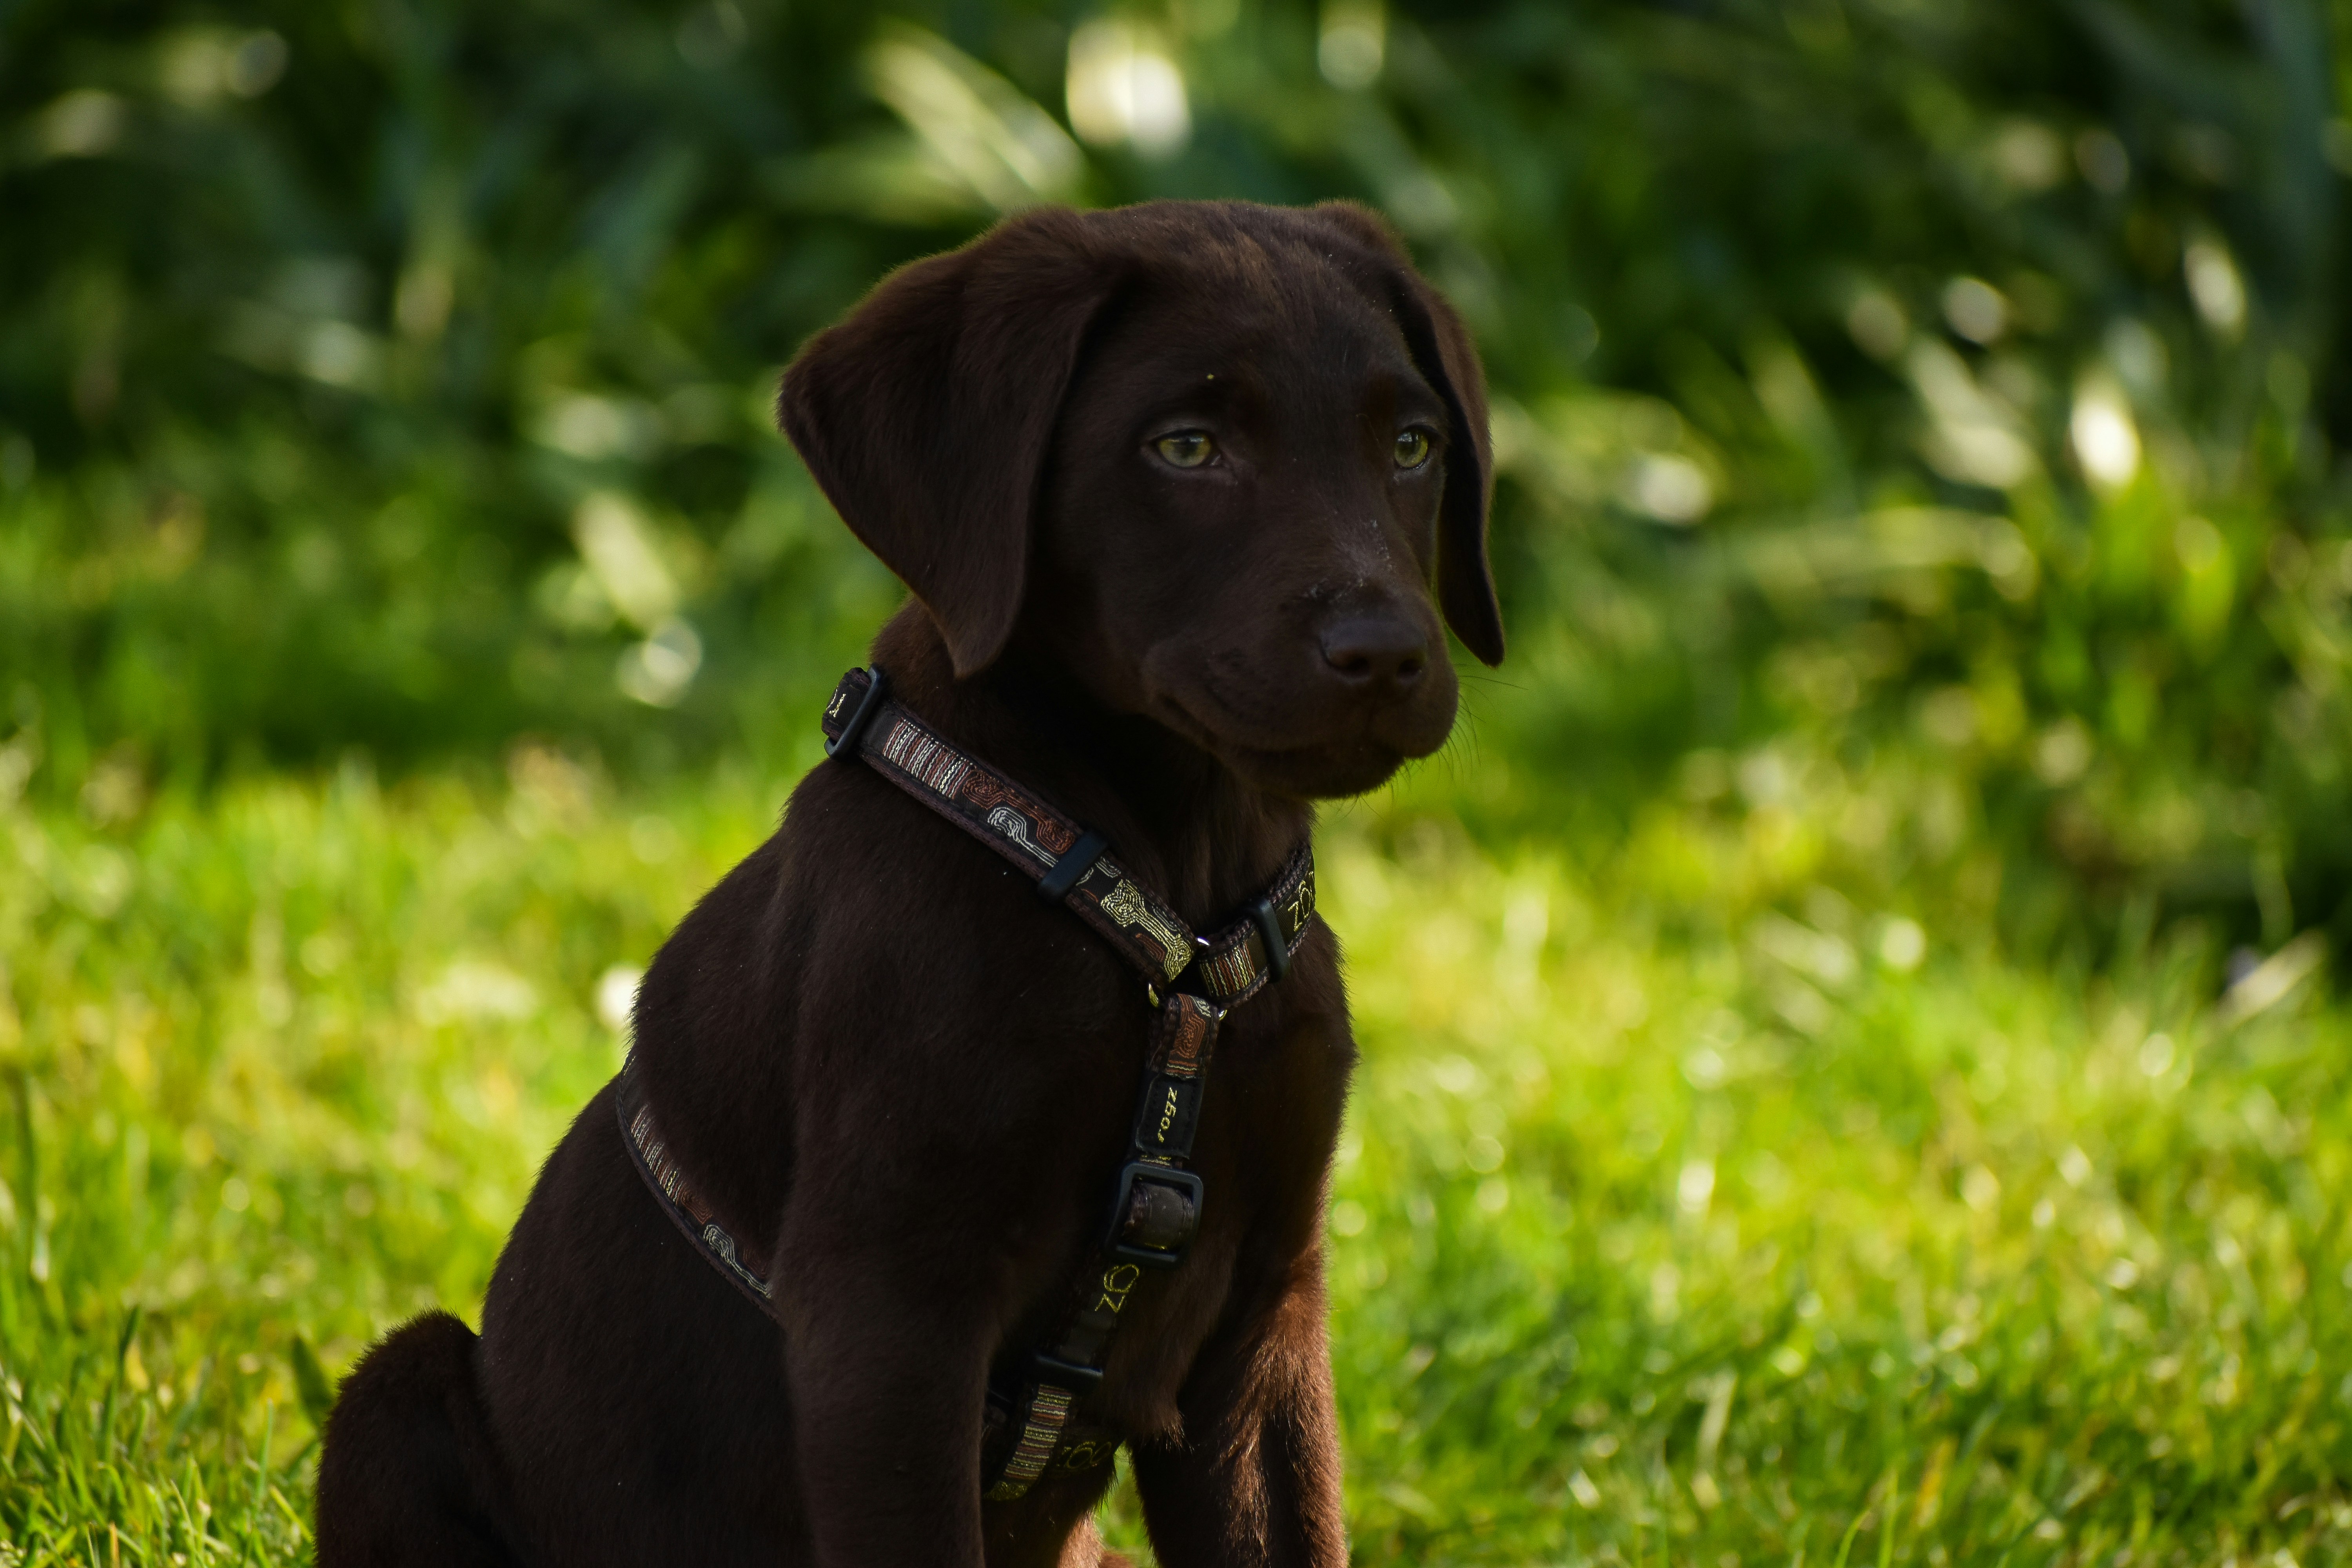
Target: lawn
1691, 1210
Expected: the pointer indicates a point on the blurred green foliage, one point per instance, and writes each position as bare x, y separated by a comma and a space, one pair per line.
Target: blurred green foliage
1939, 402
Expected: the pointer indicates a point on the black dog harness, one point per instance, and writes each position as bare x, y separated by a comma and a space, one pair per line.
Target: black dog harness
1036, 1417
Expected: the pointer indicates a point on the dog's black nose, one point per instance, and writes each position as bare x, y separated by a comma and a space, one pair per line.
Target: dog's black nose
1376, 650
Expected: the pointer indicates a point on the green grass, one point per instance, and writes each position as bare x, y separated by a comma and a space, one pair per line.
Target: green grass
1688, 1212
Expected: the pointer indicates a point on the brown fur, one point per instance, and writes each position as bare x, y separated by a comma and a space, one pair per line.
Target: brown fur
872, 1046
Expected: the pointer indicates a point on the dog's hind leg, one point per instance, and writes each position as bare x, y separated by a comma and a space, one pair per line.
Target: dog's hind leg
406, 1472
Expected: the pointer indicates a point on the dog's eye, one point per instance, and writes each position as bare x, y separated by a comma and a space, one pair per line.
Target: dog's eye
1186, 449
1412, 448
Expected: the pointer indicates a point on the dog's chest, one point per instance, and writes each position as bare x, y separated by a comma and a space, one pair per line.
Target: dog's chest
1268, 1124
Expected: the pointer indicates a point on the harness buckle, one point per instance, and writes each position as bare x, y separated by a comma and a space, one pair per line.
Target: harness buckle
854, 729
1156, 1215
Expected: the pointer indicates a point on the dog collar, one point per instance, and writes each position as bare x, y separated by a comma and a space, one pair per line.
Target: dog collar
1034, 1422
1068, 861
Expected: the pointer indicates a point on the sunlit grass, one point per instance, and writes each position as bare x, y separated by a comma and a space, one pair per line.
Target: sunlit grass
1689, 1211
1737, 1244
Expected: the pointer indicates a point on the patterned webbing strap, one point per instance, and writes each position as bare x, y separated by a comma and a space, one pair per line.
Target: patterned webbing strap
1228, 967
740, 1264
1033, 1426
1154, 1214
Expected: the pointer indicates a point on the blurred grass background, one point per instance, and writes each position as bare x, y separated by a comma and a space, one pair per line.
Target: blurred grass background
1850, 1063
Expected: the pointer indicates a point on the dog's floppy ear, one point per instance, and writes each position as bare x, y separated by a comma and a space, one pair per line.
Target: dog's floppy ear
926, 415
1441, 350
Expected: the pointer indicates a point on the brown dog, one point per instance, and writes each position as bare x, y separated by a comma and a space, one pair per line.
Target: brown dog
1172, 486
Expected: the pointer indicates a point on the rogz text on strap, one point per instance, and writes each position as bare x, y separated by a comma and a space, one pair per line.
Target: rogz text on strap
1037, 1417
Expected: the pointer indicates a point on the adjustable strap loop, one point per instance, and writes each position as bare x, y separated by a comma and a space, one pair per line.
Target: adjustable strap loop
1054, 1371
843, 741
1242, 958
1269, 935
1075, 862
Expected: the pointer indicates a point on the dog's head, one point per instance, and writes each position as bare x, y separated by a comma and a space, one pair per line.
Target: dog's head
1223, 463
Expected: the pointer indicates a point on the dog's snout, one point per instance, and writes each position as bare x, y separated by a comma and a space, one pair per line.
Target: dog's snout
1373, 651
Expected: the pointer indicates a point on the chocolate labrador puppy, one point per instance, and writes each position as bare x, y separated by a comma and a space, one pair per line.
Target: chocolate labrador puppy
1181, 492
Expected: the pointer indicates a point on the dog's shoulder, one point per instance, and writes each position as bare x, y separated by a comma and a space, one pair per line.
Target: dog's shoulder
891, 895
866, 941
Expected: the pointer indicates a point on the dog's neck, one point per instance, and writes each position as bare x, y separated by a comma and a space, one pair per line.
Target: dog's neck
1180, 818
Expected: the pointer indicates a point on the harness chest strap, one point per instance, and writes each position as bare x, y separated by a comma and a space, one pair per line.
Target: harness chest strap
1154, 1213
738, 1263
1037, 1424
1156, 1207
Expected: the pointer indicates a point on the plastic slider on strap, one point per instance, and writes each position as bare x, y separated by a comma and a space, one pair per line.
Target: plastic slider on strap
1155, 1217
853, 728
1079, 1379
1269, 931
1056, 884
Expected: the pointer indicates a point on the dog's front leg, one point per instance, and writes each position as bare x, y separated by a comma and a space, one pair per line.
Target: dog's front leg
1255, 1480
887, 1376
